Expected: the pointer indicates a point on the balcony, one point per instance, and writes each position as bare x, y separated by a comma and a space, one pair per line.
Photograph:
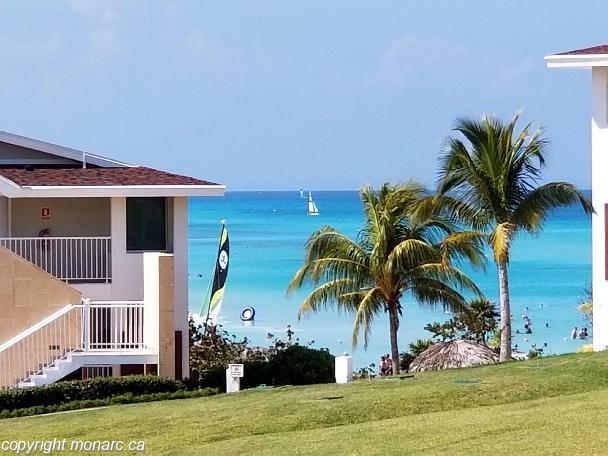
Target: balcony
71, 259
94, 332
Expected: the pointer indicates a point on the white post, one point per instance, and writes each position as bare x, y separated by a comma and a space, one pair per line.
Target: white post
344, 369
86, 319
233, 384
233, 378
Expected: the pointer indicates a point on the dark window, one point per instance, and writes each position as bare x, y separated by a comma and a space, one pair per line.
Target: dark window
146, 224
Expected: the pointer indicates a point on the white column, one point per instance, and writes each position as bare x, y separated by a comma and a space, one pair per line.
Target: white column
127, 268
180, 251
599, 160
151, 301
4, 216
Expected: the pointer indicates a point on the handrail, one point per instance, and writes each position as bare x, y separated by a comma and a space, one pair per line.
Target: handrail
116, 303
32, 329
48, 238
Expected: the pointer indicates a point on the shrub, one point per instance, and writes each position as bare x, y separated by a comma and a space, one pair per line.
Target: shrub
283, 363
405, 359
298, 365
295, 365
80, 390
123, 399
419, 345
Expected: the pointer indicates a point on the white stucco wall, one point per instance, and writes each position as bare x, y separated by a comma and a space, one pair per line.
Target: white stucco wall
69, 216
599, 147
127, 268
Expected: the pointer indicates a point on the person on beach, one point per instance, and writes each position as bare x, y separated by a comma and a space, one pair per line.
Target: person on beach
583, 334
389, 361
383, 366
574, 332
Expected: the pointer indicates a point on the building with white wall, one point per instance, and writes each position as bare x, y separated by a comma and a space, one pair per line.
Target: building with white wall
93, 264
596, 60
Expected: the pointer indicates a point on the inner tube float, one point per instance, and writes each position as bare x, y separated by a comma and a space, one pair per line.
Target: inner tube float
248, 314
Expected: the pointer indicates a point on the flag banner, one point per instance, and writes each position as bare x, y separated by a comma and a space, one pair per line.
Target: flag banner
219, 278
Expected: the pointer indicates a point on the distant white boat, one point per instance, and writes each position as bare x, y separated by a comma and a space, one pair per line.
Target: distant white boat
312, 207
301, 193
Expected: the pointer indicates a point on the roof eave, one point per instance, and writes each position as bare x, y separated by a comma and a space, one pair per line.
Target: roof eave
101, 191
59, 151
576, 61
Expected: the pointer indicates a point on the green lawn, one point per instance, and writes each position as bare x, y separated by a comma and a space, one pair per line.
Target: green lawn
550, 406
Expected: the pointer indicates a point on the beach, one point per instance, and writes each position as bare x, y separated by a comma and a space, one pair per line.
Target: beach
268, 230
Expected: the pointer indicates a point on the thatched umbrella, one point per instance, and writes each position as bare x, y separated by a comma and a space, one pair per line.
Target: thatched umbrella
456, 353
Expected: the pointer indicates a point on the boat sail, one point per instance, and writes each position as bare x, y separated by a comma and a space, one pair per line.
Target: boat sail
312, 207
210, 311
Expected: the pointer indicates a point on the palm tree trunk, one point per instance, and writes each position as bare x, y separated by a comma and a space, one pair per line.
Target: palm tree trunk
394, 327
505, 312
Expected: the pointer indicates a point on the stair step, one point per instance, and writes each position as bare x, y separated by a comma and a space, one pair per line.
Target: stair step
40, 376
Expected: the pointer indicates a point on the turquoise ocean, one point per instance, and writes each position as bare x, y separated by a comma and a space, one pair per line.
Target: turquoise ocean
268, 230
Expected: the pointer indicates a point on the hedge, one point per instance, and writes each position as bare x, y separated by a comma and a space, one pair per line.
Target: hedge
115, 400
86, 390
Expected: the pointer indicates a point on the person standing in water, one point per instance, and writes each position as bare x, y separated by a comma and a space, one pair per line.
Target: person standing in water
574, 332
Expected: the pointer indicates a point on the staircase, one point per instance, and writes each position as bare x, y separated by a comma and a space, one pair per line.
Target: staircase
94, 333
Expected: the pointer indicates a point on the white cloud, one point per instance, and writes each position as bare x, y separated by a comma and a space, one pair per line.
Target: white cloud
93, 8
208, 51
414, 60
102, 17
409, 57
31, 50
104, 42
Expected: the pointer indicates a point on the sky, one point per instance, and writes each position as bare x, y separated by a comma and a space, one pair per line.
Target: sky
275, 95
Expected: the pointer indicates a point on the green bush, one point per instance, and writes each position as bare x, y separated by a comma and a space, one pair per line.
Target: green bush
298, 365
295, 365
122, 399
98, 388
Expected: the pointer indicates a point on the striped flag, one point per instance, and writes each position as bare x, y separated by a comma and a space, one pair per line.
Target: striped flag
219, 278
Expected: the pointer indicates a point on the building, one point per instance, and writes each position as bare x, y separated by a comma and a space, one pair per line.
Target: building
596, 60
93, 265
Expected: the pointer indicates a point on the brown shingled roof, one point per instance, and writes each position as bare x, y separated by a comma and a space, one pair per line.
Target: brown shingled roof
136, 175
601, 49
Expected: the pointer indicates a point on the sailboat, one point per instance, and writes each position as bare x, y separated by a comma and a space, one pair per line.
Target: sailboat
301, 193
210, 310
312, 207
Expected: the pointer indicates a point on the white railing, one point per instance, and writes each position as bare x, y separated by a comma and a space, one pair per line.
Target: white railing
113, 325
92, 326
67, 258
40, 345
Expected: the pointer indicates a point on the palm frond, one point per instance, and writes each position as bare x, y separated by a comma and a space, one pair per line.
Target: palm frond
331, 294
369, 306
535, 207
446, 274
500, 241
410, 254
463, 247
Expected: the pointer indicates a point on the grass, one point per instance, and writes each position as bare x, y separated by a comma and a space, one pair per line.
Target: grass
548, 405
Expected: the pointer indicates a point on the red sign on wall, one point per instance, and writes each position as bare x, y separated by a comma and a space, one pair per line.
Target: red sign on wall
45, 213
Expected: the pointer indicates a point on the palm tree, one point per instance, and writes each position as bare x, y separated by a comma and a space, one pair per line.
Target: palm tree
491, 176
480, 318
396, 253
